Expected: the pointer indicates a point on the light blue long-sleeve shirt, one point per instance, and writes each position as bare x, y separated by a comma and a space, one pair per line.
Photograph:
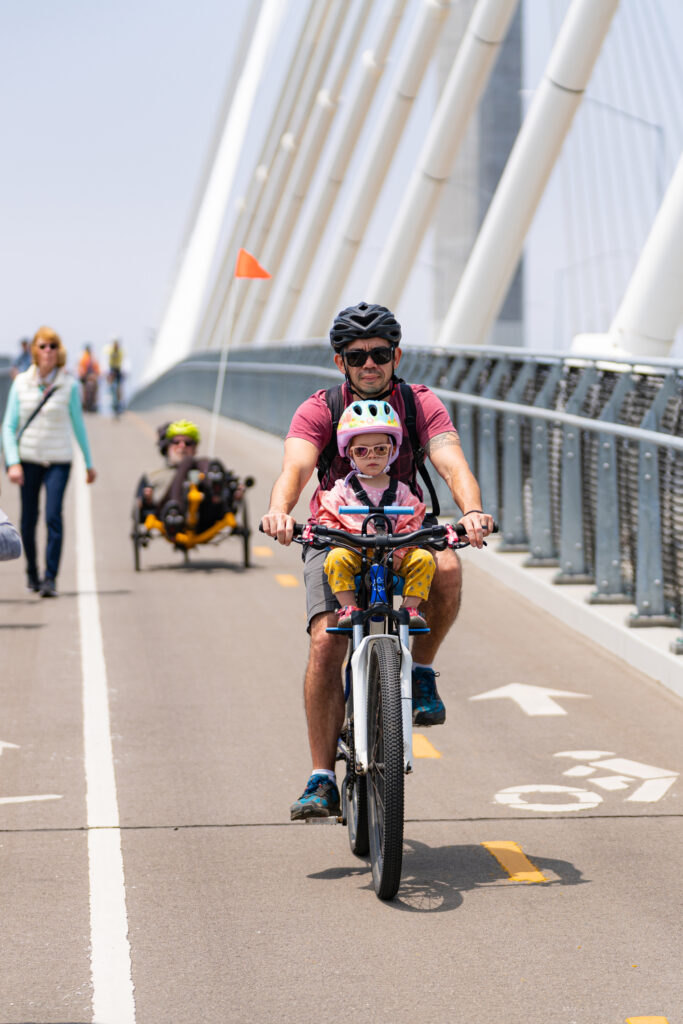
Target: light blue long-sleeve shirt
10, 426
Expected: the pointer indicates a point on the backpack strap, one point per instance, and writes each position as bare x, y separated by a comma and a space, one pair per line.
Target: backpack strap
388, 496
418, 452
335, 403
46, 397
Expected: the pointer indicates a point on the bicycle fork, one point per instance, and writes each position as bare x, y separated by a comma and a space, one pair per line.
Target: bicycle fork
360, 667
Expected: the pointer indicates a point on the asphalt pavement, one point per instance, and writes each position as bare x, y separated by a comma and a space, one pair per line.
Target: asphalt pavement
152, 738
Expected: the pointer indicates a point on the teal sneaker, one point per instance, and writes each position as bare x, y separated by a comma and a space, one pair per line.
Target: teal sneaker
320, 799
428, 708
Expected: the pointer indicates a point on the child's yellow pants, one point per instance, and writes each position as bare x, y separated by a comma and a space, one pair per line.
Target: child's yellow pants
417, 569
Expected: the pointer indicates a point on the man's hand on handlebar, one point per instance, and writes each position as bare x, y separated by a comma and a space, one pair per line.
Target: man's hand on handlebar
279, 525
477, 525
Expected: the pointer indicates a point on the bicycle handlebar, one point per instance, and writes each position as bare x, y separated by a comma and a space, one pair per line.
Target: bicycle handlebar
436, 535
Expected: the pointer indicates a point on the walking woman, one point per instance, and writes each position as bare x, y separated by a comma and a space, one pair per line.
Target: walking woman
43, 408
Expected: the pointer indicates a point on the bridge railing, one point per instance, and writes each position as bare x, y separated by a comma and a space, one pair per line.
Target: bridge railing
580, 459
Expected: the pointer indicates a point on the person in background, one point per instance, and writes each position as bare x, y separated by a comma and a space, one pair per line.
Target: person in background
161, 491
115, 356
43, 410
23, 360
88, 374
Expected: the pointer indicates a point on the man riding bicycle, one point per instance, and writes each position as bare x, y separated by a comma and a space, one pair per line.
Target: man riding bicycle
365, 339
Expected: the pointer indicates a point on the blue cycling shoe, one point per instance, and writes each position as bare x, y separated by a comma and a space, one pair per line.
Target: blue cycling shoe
320, 799
428, 708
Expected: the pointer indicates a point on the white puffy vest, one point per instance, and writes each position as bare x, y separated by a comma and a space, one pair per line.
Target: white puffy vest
48, 436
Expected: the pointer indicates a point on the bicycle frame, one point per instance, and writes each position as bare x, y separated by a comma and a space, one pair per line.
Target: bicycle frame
379, 605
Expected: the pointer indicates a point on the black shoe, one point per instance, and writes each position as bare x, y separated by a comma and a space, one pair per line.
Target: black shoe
32, 582
48, 588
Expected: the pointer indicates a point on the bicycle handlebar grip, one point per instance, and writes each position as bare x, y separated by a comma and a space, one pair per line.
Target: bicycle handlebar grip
298, 527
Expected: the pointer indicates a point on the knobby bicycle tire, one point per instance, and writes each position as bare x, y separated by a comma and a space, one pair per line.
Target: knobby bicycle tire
385, 777
355, 796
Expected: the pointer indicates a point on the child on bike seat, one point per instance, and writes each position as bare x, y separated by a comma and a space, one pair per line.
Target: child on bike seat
369, 435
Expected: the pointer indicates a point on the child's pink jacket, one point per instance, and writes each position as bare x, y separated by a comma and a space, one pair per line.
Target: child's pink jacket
343, 494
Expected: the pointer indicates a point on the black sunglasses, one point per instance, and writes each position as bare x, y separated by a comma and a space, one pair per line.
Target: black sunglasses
359, 356
50, 344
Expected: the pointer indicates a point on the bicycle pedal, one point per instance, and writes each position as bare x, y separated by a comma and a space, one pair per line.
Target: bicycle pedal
330, 820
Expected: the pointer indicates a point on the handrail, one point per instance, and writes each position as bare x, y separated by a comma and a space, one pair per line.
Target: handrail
498, 405
582, 466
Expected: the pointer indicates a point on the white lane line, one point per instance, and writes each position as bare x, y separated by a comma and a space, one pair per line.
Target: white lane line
110, 951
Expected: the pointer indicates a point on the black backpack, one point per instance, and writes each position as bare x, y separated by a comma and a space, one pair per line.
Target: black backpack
335, 403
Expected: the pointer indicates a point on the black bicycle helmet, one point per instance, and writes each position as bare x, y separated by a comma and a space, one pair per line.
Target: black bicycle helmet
366, 320
162, 440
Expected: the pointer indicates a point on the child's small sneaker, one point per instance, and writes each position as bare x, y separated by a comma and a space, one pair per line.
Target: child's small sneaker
344, 616
417, 620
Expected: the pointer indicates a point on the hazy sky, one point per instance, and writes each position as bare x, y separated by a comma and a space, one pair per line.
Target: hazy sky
106, 114
108, 108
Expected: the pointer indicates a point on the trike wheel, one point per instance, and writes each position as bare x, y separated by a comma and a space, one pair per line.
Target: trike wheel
137, 544
246, 535
385, 775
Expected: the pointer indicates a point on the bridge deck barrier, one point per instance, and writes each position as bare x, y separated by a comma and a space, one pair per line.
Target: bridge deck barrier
574, 455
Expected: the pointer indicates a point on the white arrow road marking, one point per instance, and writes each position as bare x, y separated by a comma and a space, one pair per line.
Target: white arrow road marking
29, 799
533, 700
10, 746
585, 755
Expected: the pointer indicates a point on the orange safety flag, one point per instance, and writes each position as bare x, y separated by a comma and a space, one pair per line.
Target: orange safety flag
248, 266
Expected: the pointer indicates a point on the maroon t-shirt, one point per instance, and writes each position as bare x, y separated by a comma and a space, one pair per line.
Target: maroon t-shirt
312, 422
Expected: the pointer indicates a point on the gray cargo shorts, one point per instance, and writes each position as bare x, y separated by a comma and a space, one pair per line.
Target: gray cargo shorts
319, 597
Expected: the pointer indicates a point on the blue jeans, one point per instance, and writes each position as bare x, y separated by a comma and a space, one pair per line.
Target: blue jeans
54, 477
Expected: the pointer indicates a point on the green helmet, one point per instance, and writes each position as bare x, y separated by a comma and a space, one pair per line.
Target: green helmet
182, 428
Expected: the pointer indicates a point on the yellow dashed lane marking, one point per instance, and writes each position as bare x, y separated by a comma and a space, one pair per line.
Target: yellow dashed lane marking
512, 860
422, 747
287, 581
139, 422
263, 552
647, 1020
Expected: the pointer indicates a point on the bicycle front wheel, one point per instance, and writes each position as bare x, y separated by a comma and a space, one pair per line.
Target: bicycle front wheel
385, 773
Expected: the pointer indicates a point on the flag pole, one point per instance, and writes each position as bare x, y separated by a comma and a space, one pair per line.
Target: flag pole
249, 267
222, 364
